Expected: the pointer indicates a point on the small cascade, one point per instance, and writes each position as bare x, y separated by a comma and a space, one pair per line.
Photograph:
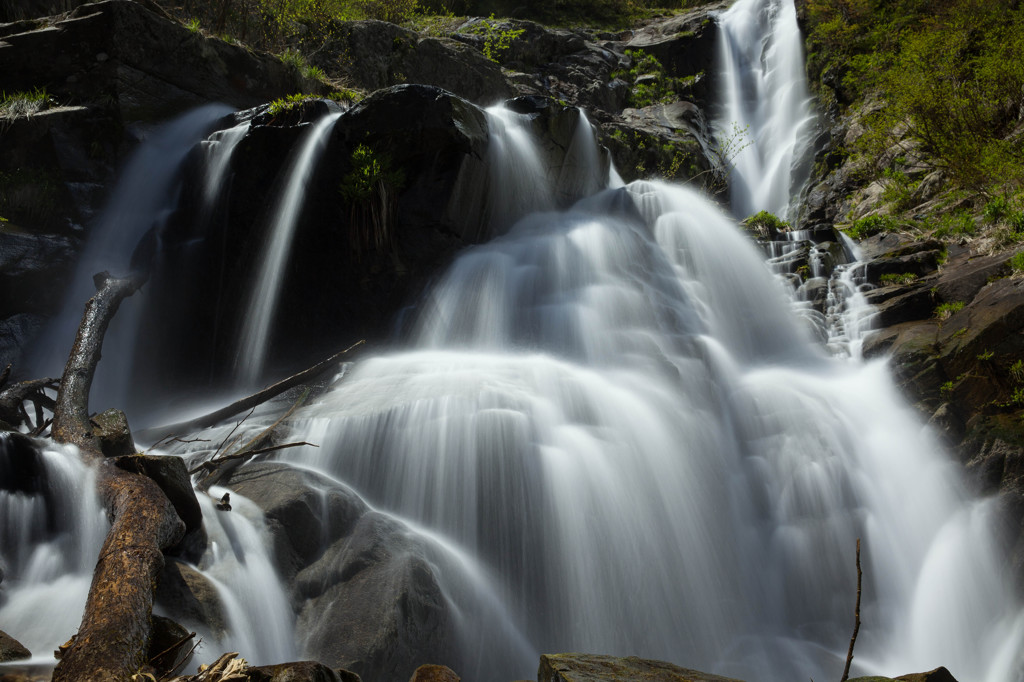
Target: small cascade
52, 526
255, 337
765, 117
616, 412
145, 195
237, 560
518, 180
218, 149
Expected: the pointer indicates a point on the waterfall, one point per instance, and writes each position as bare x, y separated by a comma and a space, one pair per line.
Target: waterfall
52, 526
617, 413
143, 198
765, 116
255, 337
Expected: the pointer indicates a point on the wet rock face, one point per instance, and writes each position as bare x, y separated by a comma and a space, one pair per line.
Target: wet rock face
376, 54
356, 259
955, 338
365, 600
149, 66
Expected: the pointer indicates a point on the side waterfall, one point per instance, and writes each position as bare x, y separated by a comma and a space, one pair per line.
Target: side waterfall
765, 112
144, 196
255, 337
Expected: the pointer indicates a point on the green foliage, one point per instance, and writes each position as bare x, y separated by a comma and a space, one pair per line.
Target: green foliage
370, 170
986, 356
193, 25
24, 103
956, 224
946, 391
946, 310
949, 71
766, 220
1016, 262
1017, 372
651, 85
899, 278
371, 189
862, 228
279, 106
498, 38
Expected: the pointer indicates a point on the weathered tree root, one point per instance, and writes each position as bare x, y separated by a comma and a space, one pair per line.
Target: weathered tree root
113, 638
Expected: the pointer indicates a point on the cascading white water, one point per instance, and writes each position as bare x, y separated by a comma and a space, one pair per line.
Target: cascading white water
255, 337
142, 200
765, 115
622, 419
50, 537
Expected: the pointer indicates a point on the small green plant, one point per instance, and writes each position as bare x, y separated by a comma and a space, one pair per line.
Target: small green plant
1017, 372
946, 310
1016, 262
293, 58
371, 190
346, 95
986, 356
765, 220
946, 390
1016, 398
313, 73
650, 84
193, 25
997, 208
279, 106
24, 103
865, 227
498, 38
899, 278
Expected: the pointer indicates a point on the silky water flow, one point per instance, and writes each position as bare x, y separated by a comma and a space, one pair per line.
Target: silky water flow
611, 433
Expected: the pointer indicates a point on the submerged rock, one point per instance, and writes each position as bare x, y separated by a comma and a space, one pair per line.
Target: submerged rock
300, 671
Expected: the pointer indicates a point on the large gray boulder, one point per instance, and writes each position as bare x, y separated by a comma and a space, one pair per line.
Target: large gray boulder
365, 598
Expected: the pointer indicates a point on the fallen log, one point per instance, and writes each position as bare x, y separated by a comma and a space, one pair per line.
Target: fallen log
113, 638
250, 401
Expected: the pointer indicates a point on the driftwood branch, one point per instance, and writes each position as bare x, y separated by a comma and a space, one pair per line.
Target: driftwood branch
253, 400
856, 621
14, 397
113, 638
212, 464
231, 463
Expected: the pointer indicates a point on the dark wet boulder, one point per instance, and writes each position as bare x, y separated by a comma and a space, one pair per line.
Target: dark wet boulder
11, 649
169, 645
171, 475
187, 596
600, 668
366, 599
434, 673
301, 509
299, 671
377, 54
372, 603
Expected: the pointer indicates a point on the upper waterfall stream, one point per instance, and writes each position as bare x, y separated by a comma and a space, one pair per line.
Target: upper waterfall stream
605, 431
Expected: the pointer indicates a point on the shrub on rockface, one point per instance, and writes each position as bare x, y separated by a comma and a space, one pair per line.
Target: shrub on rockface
950, 74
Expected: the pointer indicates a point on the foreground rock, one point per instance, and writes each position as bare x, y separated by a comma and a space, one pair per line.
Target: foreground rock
365, 600
594, 667
11, 649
